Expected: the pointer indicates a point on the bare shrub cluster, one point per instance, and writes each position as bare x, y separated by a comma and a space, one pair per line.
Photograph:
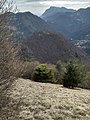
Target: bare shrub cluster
27, 69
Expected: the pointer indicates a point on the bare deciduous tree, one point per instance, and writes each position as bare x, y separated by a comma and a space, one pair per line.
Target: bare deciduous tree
8, 50
9, 55
6, 6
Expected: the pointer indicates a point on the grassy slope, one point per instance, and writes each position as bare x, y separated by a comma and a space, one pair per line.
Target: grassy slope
40, 101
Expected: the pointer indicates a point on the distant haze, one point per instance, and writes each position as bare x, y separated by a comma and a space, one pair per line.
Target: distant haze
39, 6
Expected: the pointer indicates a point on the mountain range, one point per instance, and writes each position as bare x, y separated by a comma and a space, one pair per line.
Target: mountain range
70, 23
41, 39
75, 25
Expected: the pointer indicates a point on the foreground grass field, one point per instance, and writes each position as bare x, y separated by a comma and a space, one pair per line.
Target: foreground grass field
40, 101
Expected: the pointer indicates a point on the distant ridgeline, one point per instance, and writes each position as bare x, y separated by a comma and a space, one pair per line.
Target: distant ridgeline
42, 39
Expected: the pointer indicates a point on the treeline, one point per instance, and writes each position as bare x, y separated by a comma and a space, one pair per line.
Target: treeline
71, 74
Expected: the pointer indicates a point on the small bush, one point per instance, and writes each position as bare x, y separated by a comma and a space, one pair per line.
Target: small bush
74, 74
43, 74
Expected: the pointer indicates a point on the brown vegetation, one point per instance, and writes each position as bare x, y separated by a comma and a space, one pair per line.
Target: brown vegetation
43, 101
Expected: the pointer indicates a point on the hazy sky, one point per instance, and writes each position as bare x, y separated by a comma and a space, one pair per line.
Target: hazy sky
39, 6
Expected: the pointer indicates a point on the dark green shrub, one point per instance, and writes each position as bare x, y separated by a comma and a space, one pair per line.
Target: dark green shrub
43, 74
74, 74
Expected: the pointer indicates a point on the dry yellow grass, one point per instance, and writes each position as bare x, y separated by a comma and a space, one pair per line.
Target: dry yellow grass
41, 101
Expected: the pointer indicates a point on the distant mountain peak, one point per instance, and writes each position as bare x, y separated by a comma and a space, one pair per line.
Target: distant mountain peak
53, 10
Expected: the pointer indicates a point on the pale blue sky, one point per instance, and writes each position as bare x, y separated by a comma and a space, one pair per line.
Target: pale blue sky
39, 6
